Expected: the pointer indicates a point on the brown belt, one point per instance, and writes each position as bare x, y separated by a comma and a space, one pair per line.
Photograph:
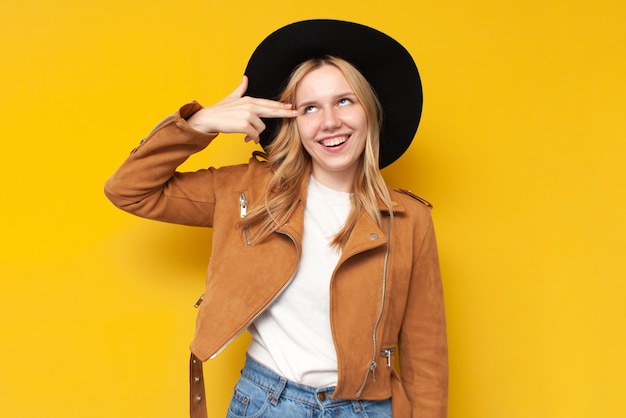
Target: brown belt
197, 395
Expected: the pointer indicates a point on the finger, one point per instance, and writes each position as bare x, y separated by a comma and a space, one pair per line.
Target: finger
252, 130
260, 104
266, 108
278, 113
241, 88
258, 125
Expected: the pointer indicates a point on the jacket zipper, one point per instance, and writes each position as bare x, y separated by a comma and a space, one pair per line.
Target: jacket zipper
372, 366
282, 289
243, 211
387, 352
243, 205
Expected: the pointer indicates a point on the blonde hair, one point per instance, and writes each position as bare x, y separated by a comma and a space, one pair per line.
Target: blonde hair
289, 162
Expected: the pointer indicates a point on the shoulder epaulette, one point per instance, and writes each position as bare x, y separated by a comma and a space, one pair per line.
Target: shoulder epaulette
259, 156
416, 197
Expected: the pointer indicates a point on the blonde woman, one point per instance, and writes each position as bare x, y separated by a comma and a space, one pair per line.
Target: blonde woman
334, 274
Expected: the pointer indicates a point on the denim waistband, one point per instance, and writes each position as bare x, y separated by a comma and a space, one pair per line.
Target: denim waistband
281, 387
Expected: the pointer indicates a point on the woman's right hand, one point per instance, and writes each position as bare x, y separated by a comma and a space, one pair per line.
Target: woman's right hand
240, 114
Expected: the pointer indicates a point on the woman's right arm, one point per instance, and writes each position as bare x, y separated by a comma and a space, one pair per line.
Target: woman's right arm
147, 183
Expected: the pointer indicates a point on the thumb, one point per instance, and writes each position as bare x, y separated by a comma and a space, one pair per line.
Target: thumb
241, 88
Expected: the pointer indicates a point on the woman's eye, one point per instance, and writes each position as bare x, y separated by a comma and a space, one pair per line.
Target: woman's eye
345, 102
310, 109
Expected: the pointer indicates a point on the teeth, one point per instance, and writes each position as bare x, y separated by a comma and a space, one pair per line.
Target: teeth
333, 142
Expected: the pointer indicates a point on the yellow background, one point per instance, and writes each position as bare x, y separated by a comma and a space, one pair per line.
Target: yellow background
521, 149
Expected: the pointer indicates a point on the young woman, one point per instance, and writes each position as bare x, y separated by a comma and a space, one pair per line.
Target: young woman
332, 272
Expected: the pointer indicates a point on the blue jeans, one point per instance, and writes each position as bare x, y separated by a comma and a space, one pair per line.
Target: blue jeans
261, 393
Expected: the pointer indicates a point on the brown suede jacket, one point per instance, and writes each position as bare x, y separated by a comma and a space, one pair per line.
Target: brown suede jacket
386, 291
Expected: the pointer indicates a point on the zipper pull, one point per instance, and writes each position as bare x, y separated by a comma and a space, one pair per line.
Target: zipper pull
370, 369
387, 353
373, 370
243, 205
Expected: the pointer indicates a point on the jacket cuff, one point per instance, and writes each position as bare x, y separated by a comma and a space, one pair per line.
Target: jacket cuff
188, 110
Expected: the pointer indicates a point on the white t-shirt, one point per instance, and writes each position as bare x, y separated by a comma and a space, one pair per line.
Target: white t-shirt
293, 336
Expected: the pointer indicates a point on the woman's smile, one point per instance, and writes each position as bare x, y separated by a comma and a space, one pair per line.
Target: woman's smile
334, 141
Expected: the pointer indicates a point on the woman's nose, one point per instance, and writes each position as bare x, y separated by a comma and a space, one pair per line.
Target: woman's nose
331, 119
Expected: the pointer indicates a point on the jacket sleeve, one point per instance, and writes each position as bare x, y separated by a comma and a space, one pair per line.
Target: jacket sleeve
423, 342
148, 185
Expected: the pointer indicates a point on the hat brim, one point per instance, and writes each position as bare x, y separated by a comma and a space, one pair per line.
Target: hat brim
384, 62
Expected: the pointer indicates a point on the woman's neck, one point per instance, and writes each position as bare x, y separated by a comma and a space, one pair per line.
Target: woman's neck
341, 181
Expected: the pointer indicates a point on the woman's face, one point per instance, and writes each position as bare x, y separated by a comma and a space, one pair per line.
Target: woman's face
332, 126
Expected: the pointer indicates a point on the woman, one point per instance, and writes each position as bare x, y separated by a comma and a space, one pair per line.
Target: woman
329, 269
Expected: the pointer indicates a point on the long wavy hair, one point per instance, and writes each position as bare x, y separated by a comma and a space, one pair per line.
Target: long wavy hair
290, 162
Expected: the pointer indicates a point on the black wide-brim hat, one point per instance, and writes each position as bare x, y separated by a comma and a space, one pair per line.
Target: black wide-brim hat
383, 61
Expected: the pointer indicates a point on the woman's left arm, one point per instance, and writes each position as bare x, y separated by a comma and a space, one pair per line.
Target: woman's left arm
423, 341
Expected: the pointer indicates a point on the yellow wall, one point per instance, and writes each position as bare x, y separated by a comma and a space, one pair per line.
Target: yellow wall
521, 149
